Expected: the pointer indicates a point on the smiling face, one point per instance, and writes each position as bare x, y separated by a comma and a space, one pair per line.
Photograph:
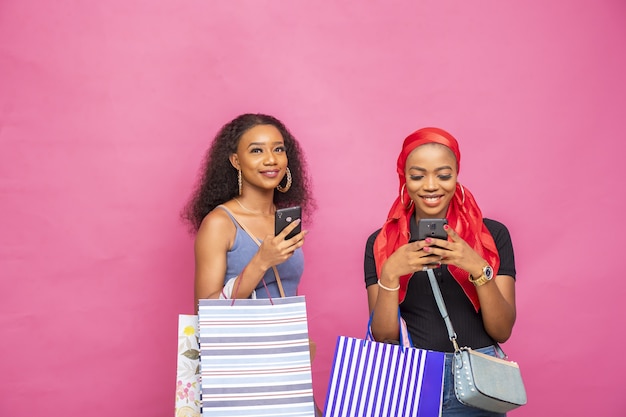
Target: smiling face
261, 157
431, 176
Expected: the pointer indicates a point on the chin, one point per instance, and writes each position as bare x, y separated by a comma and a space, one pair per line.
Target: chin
430, 213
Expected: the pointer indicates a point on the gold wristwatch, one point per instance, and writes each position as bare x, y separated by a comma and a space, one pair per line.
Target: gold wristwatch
484, 278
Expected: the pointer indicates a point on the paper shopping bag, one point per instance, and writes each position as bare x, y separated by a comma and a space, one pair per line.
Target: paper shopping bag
379, 379
188, 368
255, 358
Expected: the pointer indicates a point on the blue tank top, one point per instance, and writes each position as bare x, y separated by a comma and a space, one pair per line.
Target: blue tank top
244, 249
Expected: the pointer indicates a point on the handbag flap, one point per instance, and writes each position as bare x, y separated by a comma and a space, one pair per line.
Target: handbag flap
497, 378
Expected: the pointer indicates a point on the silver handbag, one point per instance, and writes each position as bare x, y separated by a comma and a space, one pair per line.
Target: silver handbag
487, 382
482, 381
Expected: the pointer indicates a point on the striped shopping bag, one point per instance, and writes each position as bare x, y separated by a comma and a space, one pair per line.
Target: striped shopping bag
378, 379
255, 358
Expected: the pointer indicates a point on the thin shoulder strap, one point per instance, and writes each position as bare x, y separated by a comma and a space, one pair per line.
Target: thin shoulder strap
444, 313
245, 229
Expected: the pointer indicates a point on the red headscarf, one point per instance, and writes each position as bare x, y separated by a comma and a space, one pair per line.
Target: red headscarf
463, 215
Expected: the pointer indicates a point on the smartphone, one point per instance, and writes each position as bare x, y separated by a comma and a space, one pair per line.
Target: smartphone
283, 217
431, 228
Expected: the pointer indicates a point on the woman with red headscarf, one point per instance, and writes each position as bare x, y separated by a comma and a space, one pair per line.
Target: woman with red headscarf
475, 266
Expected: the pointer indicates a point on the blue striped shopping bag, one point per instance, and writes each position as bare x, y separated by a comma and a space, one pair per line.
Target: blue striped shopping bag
254, 358
379, 379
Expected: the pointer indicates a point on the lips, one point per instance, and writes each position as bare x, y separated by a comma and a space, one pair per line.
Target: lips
271, 174
431, 200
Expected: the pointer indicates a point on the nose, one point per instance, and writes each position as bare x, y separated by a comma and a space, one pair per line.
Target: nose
431, 183
270, 159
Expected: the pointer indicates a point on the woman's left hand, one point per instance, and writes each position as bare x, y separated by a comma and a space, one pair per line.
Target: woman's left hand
455, 251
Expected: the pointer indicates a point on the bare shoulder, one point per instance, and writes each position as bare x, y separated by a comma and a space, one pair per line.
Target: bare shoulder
217, 226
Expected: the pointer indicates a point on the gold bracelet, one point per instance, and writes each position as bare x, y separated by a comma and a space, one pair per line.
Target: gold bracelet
387, 288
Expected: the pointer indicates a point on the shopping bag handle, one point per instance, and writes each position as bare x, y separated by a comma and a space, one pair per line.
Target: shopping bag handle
236, 289
405, 337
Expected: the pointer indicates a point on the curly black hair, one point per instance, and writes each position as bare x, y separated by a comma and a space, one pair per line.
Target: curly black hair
217, 181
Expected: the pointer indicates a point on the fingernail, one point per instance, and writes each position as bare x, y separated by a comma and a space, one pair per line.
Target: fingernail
428, 240
446, 227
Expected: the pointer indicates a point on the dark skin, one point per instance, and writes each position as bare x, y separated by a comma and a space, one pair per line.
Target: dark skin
431, 179
261, 155
261, 158
218, 177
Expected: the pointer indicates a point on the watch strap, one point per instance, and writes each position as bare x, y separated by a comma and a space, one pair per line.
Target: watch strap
482, 279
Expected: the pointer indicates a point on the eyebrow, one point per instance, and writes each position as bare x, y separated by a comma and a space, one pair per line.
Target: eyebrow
263, 143
436, 169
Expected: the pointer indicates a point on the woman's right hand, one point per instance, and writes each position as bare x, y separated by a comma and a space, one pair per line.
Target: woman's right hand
275, 250
408, 259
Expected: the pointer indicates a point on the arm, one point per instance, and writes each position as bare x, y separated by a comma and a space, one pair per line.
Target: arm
384, 324
497, 304
497, 297
383, 304
215, 237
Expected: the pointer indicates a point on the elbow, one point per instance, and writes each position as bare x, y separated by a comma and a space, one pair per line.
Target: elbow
500, 330
500, 333
386, 337
501, 338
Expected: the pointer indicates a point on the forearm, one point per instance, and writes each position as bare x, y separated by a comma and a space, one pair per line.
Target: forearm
249, 278
498, 308
384, 304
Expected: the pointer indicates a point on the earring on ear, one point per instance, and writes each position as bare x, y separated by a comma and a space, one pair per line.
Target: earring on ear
288, 185
402, 198
239, 180
462, 193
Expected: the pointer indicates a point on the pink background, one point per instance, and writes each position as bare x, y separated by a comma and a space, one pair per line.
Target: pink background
106, 109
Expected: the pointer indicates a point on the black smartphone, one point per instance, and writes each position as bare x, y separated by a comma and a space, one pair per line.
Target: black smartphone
431, 228
283, 217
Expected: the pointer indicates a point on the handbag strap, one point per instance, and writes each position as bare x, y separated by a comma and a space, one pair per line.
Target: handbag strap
245, 229
442, 308
444, 313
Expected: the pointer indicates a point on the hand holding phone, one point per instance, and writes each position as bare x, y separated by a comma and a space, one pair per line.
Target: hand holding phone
432, 228
284, 217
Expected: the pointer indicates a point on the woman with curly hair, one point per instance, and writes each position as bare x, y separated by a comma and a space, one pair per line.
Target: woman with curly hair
253, 166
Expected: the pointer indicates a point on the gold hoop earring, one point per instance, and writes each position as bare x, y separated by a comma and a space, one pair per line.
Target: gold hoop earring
402, 198
239, 183
288, 185
462, 193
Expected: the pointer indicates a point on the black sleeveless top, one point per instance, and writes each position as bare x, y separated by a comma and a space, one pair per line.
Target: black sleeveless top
419, 309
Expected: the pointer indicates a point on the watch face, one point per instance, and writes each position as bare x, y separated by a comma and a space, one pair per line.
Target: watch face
488, 271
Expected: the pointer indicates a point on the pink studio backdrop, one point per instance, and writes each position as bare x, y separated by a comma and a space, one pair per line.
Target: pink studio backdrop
106, 109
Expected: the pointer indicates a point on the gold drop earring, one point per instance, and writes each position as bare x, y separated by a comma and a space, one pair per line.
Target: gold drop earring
239, 180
